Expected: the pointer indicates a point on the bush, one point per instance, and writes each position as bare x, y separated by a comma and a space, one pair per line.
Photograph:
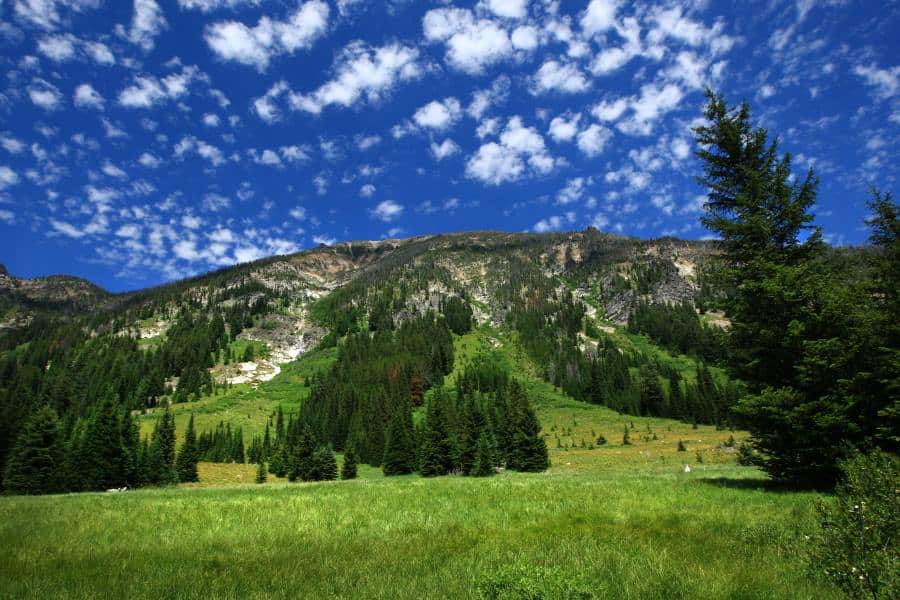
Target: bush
528, 582
856, 546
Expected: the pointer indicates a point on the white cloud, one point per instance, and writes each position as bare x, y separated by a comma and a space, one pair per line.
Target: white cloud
66, 229
599, 16
87, 97
298, 212
147, 91
129, 230
211, 5
324, 239
211, 120
268, 158
564, 127
191, 222
554, 223
215, 202
572, 192
367, 191
294, 153
649, 107
8, 177
509, 9
610, 111
11, 144
112, 170
671, 23
555, 77
257, 46
483, 100
525, 38
680, 148
148, 160
146, 23
438, 115
496, 163
100, 53
265, 107
886, 82
387, 210
190, 144
593, 139
46, 13
44, 94
445, 149
471, 44
59, 48
365, 142
362, 72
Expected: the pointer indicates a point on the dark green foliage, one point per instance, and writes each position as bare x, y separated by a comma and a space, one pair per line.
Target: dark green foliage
484, 457
400, 447
186, 463
261, 472
806, 331
528, 450
103, 459
160, 463
301, 455
678, 328
348, 469
626, 437
324, 465
858, 545
458, 314
436, 452
222, 444
34, 465
681, 446
533, 582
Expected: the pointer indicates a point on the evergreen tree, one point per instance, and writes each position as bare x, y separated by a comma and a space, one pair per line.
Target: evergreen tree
652, 399
484, 457
301, 457
324, 465
131, 443
261, 472
188, 455
528, 450
34, 464
161, 459
278, 465
348, 469
435, 454
399, 450
103, 456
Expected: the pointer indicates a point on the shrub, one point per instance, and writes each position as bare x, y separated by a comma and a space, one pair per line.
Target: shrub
857, 546
681, 446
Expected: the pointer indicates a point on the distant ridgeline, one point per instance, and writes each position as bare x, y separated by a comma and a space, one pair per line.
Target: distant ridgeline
72, 380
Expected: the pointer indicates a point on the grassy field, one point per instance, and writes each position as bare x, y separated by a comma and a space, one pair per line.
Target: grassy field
614, 520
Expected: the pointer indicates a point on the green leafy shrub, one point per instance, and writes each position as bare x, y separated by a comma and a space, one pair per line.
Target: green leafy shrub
857, 546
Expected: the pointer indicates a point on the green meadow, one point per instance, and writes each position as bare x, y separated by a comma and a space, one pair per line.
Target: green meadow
605, 521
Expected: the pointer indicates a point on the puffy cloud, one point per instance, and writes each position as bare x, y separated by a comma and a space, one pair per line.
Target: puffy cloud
8, 177
211, 120
258, 45
613, 58
267, 157
445, 149
387, 210
59, 48
211, 5
365, 142
87, 97
265, 107
190, 144
599, 16
438, 115
564, 127
362, 72
46, 14
554, 223
66, 229
148, 160
298, 212
555, 77
11, 144
44, 94
649, 107
672, 23
367, 190
572, 192
471, 44
509, 9
885, 82
100, 53
147, 91
519, 147
294, 153
610, 111
483, 100
147, 22
112, 170
593, 139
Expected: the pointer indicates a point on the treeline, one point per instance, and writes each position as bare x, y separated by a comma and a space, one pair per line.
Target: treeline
101, 452
677, 327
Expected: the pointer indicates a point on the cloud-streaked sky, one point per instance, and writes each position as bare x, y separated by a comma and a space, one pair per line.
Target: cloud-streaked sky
146, 140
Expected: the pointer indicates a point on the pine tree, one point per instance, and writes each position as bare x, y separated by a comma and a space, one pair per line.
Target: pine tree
626, 437
399, 450
161, 460
435, 454
34, 464
529, 450
484, 457
301, 456
131, 442
278, 465
188, 455
324, 465
261, 472
104, 457
348, 469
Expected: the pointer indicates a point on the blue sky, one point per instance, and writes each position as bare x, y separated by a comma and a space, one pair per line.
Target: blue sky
147, 140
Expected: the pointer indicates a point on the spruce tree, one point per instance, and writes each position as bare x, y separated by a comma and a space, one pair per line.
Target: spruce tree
529, 450
131, 442
435, 454
104, 457
348, 469
484, 457
261, 472
323, 465
161, 460
301, 456
34, 464
399, 450
188, 455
